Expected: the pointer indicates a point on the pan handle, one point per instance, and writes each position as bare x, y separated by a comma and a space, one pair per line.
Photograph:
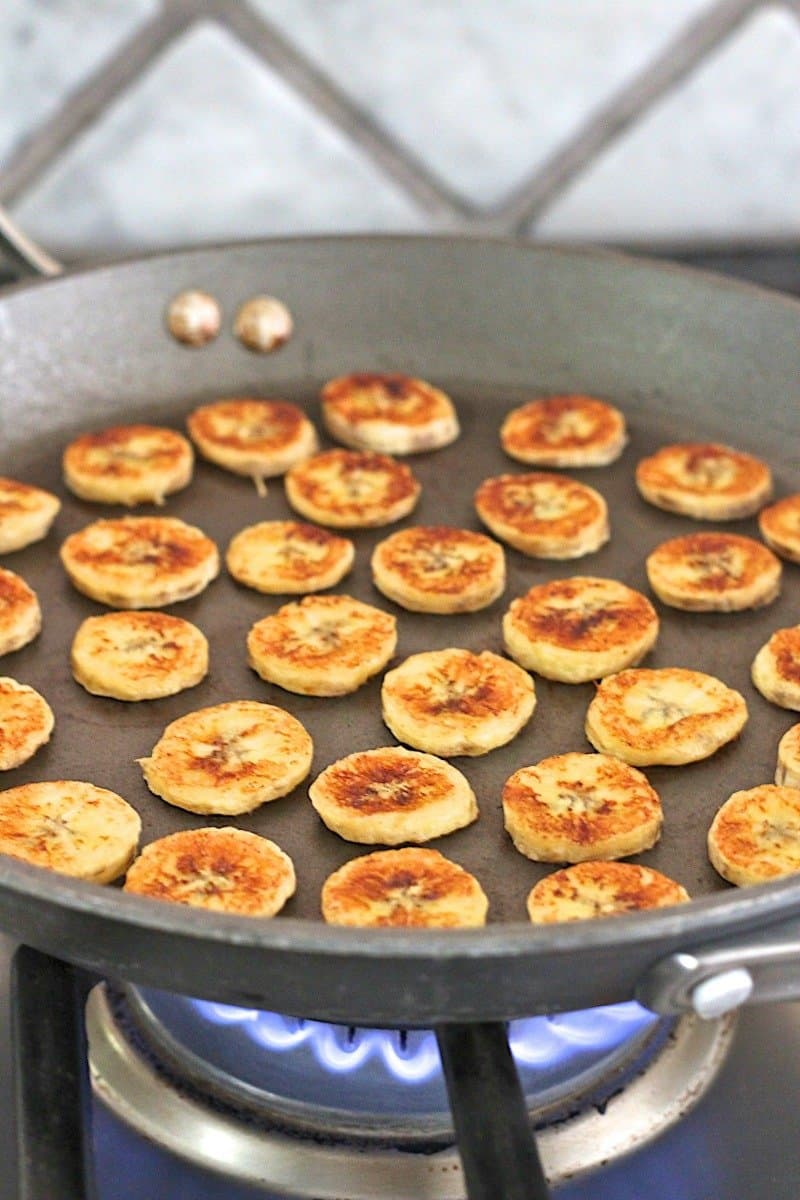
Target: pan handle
23, 252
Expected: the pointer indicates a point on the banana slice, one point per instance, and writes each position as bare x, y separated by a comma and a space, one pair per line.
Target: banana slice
128, 464
70, 827
26, 514
26, 722
322, 645
580, 628
601, 889
350, 489
787, 772
279, 557
223, 870
669, 716
256, 438
706, 481
755, 836
140, 562
453, 701
580, 807
776, 668
780, 527
392, 795
138, 655
229, 759
20, 614
544, 515
564, 431
714, 572
437, 569
391, 414
411, 888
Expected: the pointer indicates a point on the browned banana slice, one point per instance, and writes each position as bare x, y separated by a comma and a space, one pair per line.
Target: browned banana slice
669, 716
252, 437
453, 701
411, 888
392, 795
601, 889
580, 628
544, 515
706, 481
437, 569
578, 807
322, 645
280, 557
350, 489
229, 759
20, 614
776, 668
138, 655
714, 572
391, 414
787, 771
564, 431
780, 527
755, 836
26, 722
26, 514
140, 562
71, 827
223, 870
128, 464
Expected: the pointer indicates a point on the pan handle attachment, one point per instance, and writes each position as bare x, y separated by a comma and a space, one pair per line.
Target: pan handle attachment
757, 968
24, 253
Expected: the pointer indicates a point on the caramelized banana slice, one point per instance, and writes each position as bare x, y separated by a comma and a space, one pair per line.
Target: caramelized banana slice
26, 514
544, 515
71, 827
437, 569
564, 431
138, 655
391, 414
26, 722
714, 572
229, 759
392, 795
601, 889
780, 527
755, 836
256, 438
280, 557
410, 888
776, 668
787, 772
128, 464
20, 614
350, 489
706, 481
224, 870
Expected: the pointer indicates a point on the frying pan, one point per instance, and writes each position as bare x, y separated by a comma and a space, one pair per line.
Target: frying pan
685, 355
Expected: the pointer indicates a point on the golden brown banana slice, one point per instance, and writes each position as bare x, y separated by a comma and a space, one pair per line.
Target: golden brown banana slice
669, 716
392, 795
140, 562
564, 431
391, 413
26, 514
707, 481
280, 557
229, 759
544, 515
26, 722
780, 527
579, 807
714, 572
454, 701
71, 827
128, 464
437, 569
138, 655
411, 888
256, 438
580, 628
322, 645
351, 489
776, 668
787, 772
755, 836
20, 614
223, 870
601, 889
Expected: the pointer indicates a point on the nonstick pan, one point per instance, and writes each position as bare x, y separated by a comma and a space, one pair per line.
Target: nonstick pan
686, 356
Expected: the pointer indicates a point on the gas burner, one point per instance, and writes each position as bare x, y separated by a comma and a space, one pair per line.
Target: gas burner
289, 1104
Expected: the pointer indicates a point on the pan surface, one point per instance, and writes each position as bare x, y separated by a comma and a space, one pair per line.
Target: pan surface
686, 357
